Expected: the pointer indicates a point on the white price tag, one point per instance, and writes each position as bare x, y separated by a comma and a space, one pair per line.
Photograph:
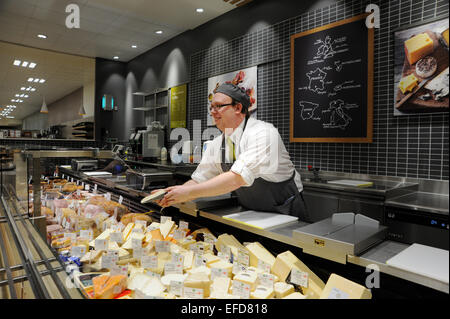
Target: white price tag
223, 256
137, 230
71, 179
199, 261
299, 278
116, 236
78, 182
101, 244
336, 293
164, 219
78, 192
86, 187
78, 251
136, 243
178, 258
237, 268
138, 252
120, 199
197, 248
162, 246
179, 234
193, 293
95, 189
225, 250
62, 176
141, 222
149, 261
218, 272
266, 280
243, 257
209, 239
86, 234
241, 289
119, 270
152, 274
176, 288
108, 261
107, 196
173, 268
183, 225
72, 236
263, 266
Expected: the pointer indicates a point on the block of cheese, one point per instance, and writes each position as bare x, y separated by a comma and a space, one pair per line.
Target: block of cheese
262, 292
247, 277
127, 231
199, 281
129, 243
201, 270
282, 289
166, 279
418, 46
104, 235
91, 256
108, 287
167, 228
257, 253
156, 235
445, 37
229, 241
210, 258
146, 285
222, 264
123, 253
408, 83
284, 264
220, 287
186, 243
338, 287
188, 259
295, 295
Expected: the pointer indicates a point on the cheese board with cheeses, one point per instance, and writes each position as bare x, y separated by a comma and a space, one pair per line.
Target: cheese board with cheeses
422, 69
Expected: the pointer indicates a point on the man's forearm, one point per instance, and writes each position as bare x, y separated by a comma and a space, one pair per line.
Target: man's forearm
221, 184
190, 183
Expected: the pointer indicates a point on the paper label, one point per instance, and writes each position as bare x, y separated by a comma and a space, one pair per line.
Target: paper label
266, 280
162, 246
241, 289
199, 260
299, 278
223, 256
108, 261
178, 258
176, 287
197, 248
164, 219
78, 251
78, 183
78, 192
72, 236
152, 274
136, 243
86, 187
71, 179
101, 244
336, 293
87, 234
62, 176
243, 257
150, 228
193, 293
209, 239
173, 268
218, 272
263, 266
179, 234
149, 261
120, 199
116, 236
137, 230
119, 270
141, 222
183, 225
107, 195
237, 268
138, 252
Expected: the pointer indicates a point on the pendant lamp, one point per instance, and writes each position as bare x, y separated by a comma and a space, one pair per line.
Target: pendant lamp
81, 111
44, 108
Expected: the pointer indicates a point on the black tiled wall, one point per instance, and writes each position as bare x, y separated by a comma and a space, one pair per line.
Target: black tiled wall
413, 146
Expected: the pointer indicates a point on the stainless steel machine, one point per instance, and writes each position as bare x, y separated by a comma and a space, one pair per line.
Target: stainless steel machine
84, 164
143, 178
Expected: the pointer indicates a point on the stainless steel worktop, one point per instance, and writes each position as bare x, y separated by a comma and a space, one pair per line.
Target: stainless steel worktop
421, 201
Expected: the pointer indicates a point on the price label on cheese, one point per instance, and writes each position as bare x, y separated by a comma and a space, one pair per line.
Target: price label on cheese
162, 246
299, 278
78, 251
183, 225
149, 261
241, 289
237, 268
152, 274
192, 293
266, 280
63, 176
137, 230
264, 266
197, 248
116, 236
199, 261
218, 272
178, 258
71, 179
107, 195
151, 227
67, 226
54, 174
86, 187
136, 243
86, 234
108, 262
176, 287
71, 236
119, 270
120, 199
141, 222
243, 257
165, 219
78, 182
173, 268
178, 234
101, 244
78, 192
223, 256
336, 293
225, 250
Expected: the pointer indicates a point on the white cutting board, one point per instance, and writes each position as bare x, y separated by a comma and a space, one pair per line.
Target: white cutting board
95, 173
349, 182
261, 220
423, 260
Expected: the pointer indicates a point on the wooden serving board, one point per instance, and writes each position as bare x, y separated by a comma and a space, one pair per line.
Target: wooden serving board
440, 53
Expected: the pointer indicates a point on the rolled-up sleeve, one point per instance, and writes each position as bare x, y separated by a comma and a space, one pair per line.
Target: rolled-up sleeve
209, 165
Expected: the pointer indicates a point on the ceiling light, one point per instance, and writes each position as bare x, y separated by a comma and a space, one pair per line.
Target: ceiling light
17, 62
81, 111
44, 108
25, 96
25, 64
32, 89
116, 57
32, 65
17, 95
199, 10
134, 46
42, 36
36, 80
30, 79
158, 32
41, 81
23, 88
10, 117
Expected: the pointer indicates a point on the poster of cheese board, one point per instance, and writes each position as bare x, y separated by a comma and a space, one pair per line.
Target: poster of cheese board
421, 68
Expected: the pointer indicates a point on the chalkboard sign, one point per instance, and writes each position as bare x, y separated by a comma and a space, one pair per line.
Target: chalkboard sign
331, 83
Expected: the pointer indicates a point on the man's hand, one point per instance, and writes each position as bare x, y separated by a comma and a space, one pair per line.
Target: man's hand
175, 195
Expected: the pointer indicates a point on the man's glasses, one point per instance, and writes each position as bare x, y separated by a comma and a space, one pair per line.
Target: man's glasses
218, 107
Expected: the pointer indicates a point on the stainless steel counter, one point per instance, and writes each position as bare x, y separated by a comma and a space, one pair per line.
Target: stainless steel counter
421, 201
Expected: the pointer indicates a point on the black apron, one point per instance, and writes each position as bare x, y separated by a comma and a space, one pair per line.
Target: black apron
278, 197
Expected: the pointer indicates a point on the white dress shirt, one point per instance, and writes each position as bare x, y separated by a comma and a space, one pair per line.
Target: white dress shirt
260, 153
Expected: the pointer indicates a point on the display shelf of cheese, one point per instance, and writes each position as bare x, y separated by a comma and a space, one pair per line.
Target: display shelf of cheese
132, 256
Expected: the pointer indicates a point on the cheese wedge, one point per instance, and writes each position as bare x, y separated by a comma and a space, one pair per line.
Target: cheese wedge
156, 235
338, 287
167, 228
147, 285
295, 295
220, 287
210, 258
229, 241
127, 231
284, 264
166, 279
163, 258
445, 37
247, 277
199, 281
129, 243
257, 253
104, 235
282, 289
222, 264
262, 292
186, 243
418, 46
91, 256
200, 270
408, 83
188, 259
108, 287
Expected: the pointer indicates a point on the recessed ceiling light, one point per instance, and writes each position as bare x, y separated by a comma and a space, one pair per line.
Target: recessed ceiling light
23, 88
41, 81
32, 65
30, 79
17, 95
25, 64
17, 62
42, 36
199, 10
32, 89
25, 96
36, 80
10, 117
134, 46
116, 57
158, 32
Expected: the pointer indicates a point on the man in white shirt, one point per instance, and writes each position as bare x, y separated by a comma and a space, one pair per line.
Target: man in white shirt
249, 158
